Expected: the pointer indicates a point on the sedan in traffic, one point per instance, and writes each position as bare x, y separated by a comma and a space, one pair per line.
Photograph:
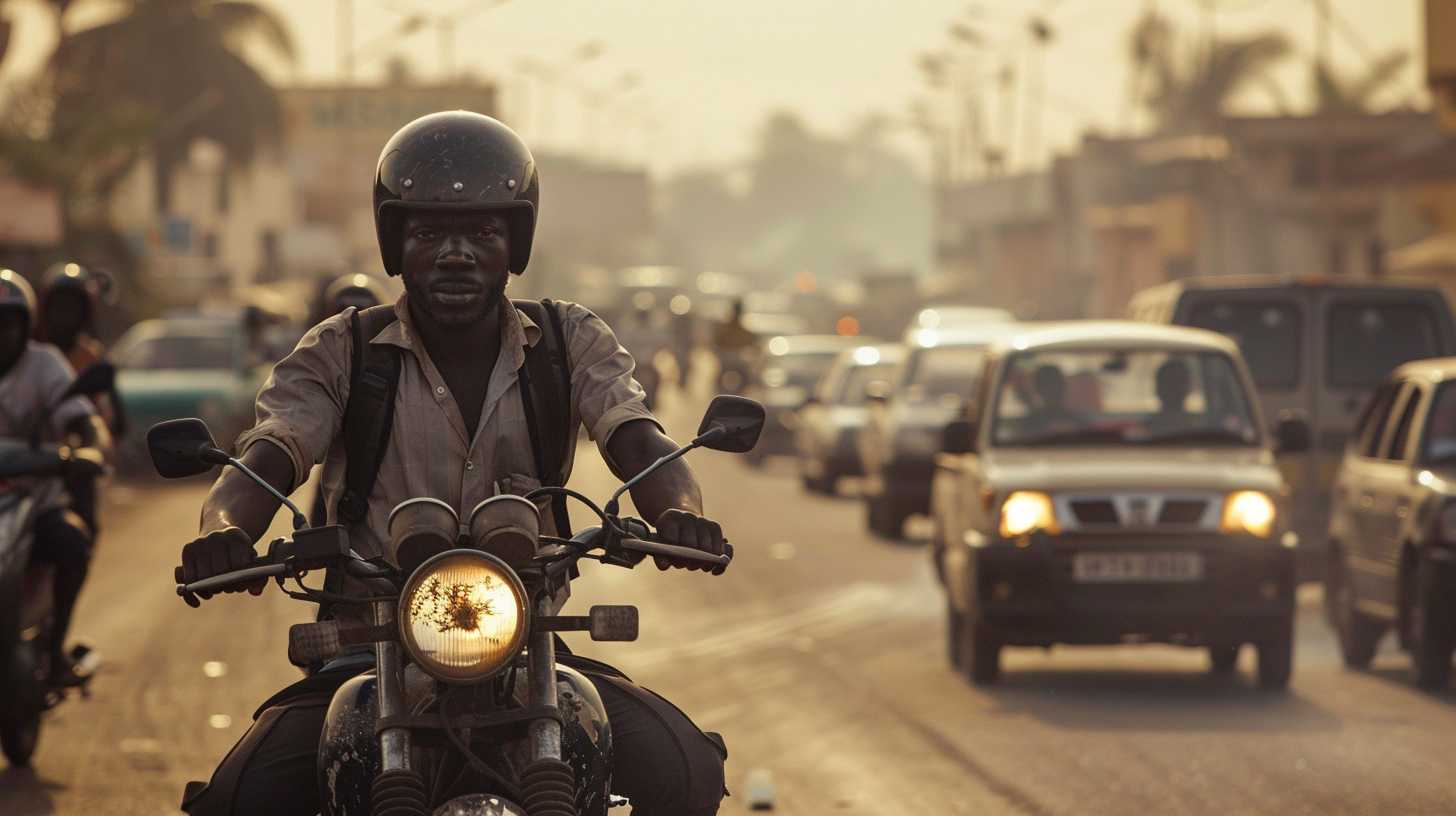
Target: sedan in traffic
828, 426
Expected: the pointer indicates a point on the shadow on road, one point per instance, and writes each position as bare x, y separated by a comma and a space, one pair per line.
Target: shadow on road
1139, 700
26, 793
1404, 676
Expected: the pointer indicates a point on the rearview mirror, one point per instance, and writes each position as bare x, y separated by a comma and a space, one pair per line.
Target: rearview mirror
97, 378
731, 424
1292, 435
182, 448
877, 391
959, 437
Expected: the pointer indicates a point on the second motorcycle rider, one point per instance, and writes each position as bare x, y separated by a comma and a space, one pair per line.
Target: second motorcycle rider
449, 393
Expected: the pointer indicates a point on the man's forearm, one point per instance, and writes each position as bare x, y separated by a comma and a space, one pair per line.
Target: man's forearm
633, 448
235, 501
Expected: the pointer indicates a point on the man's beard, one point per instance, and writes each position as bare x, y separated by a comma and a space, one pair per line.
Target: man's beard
490, 300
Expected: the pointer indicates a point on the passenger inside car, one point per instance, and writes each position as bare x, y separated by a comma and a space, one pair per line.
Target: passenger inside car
1051, 413
1173, 383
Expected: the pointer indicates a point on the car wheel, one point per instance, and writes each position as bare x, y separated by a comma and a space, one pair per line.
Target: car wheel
1223, 658
1359, 634
1432, 639
1276, 657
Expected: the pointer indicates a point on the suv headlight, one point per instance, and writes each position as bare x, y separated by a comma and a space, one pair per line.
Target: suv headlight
463, 616
1026, 511
1248, 511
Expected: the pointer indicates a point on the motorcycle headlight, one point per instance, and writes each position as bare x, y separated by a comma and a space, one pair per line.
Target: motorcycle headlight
1248, 511
1026, 511
463, 616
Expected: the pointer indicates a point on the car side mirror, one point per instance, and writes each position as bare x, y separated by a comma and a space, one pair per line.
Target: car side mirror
1292, 435
182, 448
959, 437
731, 424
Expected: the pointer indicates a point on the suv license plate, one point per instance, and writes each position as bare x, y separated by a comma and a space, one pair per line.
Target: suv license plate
1094, 568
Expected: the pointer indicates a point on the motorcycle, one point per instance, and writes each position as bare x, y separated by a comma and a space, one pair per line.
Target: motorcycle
467, 710
30, 478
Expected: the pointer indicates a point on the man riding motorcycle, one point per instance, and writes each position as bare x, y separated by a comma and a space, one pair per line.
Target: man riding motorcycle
455, 209
33, 376
70, 296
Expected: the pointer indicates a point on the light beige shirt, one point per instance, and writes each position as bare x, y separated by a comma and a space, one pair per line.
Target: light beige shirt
430, 453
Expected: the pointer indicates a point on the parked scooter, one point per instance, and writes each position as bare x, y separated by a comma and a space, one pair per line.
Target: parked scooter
30, 476
467, 710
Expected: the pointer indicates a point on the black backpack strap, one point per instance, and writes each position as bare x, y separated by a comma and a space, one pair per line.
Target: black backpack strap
545, 383
369, 414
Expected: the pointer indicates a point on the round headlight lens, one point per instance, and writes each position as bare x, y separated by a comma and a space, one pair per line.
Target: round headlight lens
463, 616
1249, 511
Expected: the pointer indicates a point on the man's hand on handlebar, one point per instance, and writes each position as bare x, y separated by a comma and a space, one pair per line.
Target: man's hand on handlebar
218, 552
687, 529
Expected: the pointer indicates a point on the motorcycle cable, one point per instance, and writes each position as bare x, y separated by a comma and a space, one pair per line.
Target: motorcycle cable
509, 788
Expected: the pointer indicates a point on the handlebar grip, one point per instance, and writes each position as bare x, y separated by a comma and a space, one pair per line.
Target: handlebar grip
673, 551
237, 579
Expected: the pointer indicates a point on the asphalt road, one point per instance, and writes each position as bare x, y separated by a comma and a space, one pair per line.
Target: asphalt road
820, 656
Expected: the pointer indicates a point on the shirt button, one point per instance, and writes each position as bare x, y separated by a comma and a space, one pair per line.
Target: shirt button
440, 389
469, 465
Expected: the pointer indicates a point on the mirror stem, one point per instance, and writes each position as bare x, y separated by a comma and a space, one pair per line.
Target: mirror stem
300, 521
613, 505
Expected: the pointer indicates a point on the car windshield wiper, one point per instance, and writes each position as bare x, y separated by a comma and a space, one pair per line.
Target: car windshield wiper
1074, 437
1196, 435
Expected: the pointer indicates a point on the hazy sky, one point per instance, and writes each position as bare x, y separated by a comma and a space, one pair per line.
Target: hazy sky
710, 69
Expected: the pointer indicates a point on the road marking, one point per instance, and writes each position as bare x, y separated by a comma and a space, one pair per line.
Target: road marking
214, 668
220, 721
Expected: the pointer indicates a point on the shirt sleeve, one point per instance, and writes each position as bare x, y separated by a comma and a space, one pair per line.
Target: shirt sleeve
301, 406
606, 395
55, 376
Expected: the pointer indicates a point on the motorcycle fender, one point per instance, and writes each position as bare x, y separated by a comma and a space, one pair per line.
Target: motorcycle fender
348, 755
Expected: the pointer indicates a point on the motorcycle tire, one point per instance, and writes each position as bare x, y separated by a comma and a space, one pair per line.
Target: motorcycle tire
980, 653
1432, 638
20, 728
1276, 657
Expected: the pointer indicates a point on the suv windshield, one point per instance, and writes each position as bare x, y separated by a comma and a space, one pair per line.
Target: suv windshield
945, 371
1147, 397
797, 369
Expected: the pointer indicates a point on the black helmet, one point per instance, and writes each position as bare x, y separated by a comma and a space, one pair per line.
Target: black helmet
455, 160
357, 290
93, 283
16, 294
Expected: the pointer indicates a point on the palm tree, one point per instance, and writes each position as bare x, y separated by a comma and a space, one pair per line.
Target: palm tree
1335, 93
177, 65
1191, 94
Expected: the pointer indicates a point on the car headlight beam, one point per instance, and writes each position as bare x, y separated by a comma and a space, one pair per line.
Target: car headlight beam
463, 616
1026, 511
1248, 511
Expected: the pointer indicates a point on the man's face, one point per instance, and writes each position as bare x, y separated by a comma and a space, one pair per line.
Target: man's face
13, 331
65, 312
455, 265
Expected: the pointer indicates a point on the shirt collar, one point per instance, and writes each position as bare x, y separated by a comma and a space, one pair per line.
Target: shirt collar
518, 330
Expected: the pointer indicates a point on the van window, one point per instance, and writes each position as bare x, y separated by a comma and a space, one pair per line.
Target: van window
1268, 332
1369, 340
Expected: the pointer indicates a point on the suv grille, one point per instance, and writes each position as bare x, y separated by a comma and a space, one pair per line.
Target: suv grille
1094, 511
1182, 512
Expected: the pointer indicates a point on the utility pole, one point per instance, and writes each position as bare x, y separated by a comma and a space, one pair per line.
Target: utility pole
1327, 148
